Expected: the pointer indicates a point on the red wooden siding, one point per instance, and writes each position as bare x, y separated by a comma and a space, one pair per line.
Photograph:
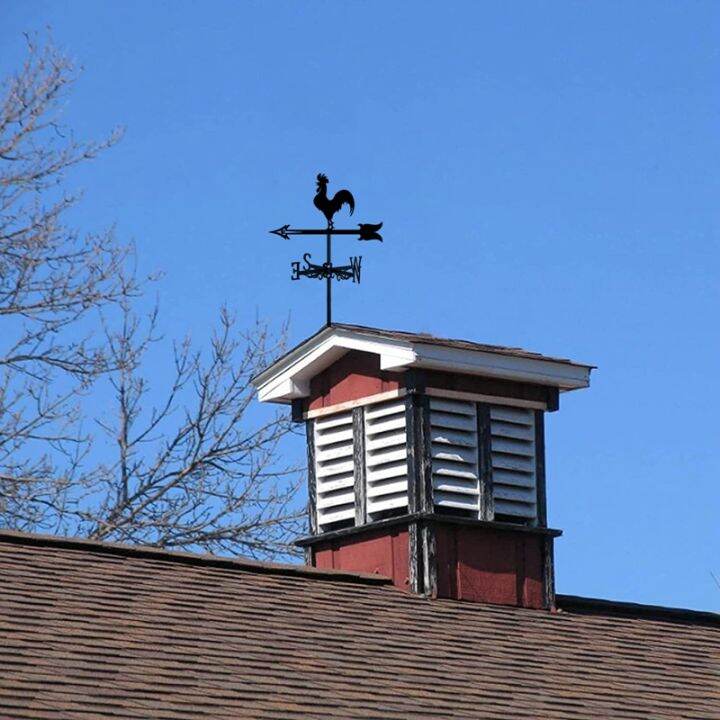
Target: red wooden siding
491, 386
477, 564
481, 565
356, 375
383, 552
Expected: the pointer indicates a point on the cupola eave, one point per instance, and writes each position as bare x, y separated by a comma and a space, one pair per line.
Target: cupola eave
288, 378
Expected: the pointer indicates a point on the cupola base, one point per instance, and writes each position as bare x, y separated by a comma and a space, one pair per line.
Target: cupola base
447, 557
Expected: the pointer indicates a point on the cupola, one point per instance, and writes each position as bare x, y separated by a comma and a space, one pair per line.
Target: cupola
426, 459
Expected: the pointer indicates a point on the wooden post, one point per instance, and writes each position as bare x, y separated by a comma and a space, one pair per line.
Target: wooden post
312, 482
549, 573
540, 468
484, 437
416, 558
415, 381
424, 440
414, 455
429, 559
358, 417
417, 428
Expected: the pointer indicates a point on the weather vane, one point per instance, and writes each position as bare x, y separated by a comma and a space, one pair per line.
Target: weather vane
327, 271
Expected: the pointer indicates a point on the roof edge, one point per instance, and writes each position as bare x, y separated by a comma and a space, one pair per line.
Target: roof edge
288, 377
15, 537
596, 606
261, 376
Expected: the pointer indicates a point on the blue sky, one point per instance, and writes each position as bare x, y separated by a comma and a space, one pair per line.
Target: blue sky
548, 177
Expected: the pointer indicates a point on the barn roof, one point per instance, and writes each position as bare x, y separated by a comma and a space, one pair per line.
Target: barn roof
95, 630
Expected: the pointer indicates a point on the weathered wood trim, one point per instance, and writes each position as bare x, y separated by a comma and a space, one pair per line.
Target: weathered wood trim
425, 445
477, 397
413, 421
549, 572
429, 559
491, 524
540, 468
297, 408
415, 557
352, 531
358, 416
484, 437
351, 404
417, 426
312, 482
430, 517
414, 380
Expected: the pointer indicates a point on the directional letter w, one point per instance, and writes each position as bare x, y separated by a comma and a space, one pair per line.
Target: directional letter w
355, 268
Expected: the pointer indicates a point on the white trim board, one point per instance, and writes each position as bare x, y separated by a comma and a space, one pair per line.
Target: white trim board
492, 399
350, 404
430, 392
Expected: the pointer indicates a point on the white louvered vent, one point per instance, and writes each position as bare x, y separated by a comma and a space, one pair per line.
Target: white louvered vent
334, 477
386, 457
513, 462
454, 449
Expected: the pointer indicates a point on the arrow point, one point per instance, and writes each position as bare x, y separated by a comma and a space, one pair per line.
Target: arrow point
282, 232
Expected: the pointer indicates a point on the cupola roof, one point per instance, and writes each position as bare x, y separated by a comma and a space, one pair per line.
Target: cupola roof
288, 378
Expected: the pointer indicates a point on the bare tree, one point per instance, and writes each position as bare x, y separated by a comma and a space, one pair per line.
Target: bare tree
51, 280
189, 472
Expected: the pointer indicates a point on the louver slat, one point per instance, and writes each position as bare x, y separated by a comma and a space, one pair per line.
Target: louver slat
513, 462
454, 448
334, 469
386, 458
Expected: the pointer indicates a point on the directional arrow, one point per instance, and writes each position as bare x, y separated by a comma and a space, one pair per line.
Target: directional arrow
365, 231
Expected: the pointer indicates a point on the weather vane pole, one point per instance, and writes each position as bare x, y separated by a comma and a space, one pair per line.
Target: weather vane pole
327, 271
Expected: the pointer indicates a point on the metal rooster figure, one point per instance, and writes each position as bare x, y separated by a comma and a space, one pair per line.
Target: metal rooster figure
327, 271
327, 206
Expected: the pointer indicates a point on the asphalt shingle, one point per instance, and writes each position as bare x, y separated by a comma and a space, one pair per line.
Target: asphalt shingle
95, 631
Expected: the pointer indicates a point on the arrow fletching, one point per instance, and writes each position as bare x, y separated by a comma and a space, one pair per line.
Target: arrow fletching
368, 231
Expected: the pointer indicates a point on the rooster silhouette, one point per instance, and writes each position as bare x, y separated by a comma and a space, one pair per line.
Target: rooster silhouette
329, 206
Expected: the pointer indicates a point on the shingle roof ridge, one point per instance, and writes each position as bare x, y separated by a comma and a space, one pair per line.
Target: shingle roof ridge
144, 551
429, 338
604, 607
571, 604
